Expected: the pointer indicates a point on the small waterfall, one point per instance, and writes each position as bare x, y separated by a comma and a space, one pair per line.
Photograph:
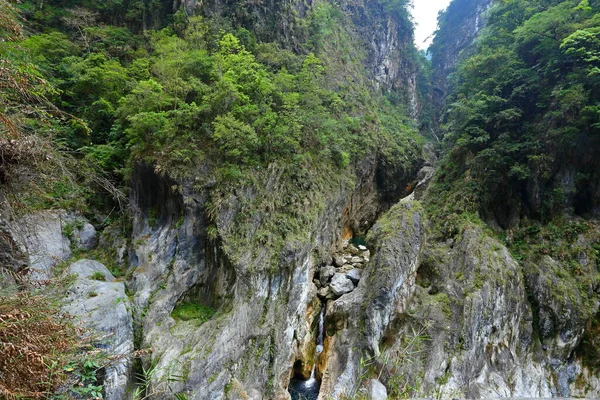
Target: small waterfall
309, 389
321, 334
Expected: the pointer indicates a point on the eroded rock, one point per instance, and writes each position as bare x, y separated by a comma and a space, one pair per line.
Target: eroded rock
100, 304
354, 275
326, 274
340, 284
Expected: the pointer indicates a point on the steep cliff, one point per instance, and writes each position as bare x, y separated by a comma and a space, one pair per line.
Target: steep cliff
458, 26
282, 233
382, 28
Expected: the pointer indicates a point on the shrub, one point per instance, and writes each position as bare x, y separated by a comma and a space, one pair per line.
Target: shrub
35, 346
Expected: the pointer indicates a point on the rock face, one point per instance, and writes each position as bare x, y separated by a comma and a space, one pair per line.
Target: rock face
389, 38
386, 281
264, 316
460, 24
101, 305
42, 236
48, 238
462, 305
385, 33
464, 308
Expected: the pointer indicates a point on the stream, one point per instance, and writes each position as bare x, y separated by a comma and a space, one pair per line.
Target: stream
308, 389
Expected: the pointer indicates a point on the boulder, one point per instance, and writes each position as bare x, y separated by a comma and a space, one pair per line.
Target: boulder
327, 273
85, 237
351, 249
324, 292
340, 284
346, 268
362, 248
354, 275
376, 390
356, 260
48, 237
102, 306
42, 235
89, 269
339, 260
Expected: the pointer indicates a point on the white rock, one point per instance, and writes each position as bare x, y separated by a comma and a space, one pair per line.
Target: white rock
341, 285
324, 292
84, 269
376, 390
42, 235
338, 260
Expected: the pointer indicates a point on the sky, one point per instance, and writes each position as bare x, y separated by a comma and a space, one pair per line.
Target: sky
425, 16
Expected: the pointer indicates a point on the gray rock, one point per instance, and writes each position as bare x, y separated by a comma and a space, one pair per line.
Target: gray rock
339, 260
317, 283
356, 260
85, 269
326, 274
341, 285
345, 268
85, 237
362, 248
366, 254
104, 308
254, 394
562, 305
42, 235
354, 275
324, 292
376, 390
331, 296
351, 249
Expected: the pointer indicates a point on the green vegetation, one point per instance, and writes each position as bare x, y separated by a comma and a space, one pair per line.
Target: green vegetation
192, 94
98, 276
523, 107
193, 312
521, 133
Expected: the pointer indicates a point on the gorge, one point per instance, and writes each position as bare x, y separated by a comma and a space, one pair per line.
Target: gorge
287, 200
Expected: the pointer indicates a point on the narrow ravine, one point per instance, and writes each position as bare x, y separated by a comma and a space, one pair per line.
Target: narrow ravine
308, 389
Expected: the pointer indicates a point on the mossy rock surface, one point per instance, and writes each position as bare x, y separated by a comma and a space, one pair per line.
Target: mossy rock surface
192, 312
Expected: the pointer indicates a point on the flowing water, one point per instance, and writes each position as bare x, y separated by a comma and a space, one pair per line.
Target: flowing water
301, 389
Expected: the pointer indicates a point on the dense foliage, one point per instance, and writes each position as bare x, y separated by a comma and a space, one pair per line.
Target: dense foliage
190, 91
186, 94
522, 120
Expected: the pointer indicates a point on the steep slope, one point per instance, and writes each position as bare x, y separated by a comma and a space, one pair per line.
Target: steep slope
266, 148
247, 164
458, 26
